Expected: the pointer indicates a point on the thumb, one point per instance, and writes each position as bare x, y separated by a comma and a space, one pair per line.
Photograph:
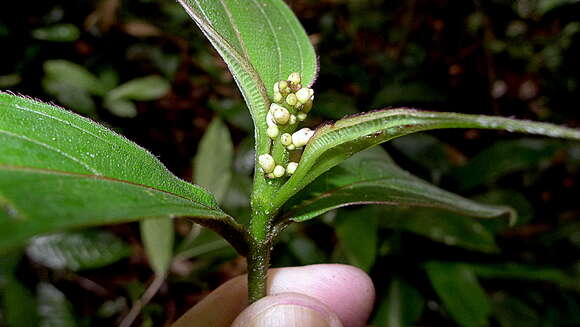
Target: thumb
287, 310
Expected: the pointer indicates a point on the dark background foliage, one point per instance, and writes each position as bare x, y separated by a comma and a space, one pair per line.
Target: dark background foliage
495, 57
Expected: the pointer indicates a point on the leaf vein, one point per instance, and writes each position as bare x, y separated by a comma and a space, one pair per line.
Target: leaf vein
236, 30
56, 150
278, 48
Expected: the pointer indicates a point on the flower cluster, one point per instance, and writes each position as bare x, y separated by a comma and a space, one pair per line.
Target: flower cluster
291, 104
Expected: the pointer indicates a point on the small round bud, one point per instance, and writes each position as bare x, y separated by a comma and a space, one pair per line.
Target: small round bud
304, 94
294, 78
272, 131
281, 115
301, 116
291, 147
277, 87
278, 97
279, 171
291, 168
266, 162
270, 175
286, 139
283, 87
270, 119
291, 99
301, 137
307, 106
292, 120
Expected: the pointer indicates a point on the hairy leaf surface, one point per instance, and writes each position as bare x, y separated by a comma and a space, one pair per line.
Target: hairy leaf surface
261, 41
333, 143
59, 170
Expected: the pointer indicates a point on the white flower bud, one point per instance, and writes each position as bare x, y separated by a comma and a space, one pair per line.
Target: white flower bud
294, 79
279, 171
283, 87
286, 139
278, 97
292, 120
301, 137
307, 106
301, 116
291, 168
291, 147
281, 115
291, 99
272, 131
267, 163
304, 94
270, 175
277, 87
270, 119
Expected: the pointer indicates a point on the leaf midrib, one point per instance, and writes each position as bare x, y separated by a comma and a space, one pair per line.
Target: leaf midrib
105, 178
235, 28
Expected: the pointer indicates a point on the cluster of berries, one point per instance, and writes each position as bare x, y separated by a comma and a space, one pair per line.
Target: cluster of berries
292, 103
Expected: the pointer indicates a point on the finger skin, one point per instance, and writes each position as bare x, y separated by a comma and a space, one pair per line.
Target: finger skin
346, 290
279, 310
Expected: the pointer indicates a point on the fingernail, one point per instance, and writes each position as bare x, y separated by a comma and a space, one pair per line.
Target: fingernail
288, 315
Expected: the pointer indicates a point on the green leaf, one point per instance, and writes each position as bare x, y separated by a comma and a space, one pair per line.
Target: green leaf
141, 89
121, 107
525, 272
206, 241
19, 304
77, 250
372, 177
448, 228
503, 158
157, 235
357, 232
305, 250
70, 95
53, 307
426, 151
457, 286
334, 142
401, 307
512, 312
77, 173
212, 168
57, 33
75, 75
262, 42
149, 88
544, 6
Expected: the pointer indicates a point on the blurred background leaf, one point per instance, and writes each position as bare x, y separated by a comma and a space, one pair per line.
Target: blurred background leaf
77, 251
458, 288
157, 235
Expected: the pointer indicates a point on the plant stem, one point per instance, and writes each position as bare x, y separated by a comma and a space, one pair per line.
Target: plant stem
258, 261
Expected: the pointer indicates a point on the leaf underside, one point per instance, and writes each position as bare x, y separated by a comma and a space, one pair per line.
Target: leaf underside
59, 170
372, 177
333, 143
